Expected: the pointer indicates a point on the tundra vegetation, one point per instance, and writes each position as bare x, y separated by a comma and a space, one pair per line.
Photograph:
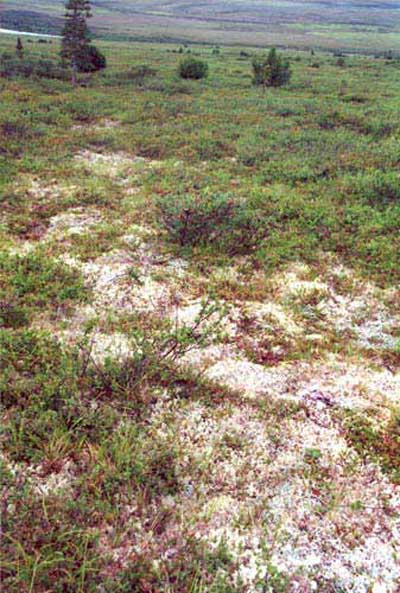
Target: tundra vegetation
199, 309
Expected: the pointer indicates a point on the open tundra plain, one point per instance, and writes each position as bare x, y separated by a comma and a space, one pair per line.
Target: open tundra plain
361, 24
199, 300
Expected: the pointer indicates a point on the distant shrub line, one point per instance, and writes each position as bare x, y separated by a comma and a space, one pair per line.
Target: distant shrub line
11, 67
270, 71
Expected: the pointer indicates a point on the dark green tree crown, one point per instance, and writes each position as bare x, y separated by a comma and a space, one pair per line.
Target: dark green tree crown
78, 6
76, 34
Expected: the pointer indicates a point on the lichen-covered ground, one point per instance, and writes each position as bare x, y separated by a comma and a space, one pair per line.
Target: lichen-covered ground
177, 422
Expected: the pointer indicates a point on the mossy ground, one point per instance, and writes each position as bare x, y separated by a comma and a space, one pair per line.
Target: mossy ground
195, 410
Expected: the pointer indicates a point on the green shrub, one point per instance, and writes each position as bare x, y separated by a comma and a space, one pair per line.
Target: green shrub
29, 283
193, 68
250, 151
44, 69
15, 67
372, 441
42, 554
41, 385
136, 74
91, 60
34, 368
14, 129
219, 221
377, 188
210, 148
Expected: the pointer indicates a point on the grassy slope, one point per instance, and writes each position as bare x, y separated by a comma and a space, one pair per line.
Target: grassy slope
123, 465
362, 25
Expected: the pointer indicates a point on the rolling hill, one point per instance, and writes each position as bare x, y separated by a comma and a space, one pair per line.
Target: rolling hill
362, 24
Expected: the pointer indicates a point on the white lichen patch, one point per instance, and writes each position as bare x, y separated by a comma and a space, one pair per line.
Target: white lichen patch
177, 267
129, 281
272, 317
137, 234
227, 275
189, 314
339, 384
80, 330
121, 281
290, 494
200, 359
109, 124
75, 221
359, 315
379, 333
113, 165
115, 346
38, 190
71, 329
103, 124
36, 193
22, 248
251, 379
206, 317
295, 284
364, 317
349, 546
43, 480
304, 291
53, 483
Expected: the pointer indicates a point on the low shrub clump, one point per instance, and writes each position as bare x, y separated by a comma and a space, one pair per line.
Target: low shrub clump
220, 221
376, 442
377, 188
29, 283
192, 68
91, 60
135, 75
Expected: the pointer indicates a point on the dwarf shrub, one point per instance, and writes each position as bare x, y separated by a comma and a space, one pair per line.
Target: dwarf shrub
219, 221
193, 68
91, 60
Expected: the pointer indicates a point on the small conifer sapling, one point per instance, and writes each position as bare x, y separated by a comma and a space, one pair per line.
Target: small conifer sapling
19, 49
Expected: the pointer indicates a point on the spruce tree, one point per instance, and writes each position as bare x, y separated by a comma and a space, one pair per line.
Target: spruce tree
19, 49
271, 71
76, 35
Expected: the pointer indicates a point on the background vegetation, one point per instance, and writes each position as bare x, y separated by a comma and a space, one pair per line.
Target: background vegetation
227, 178
361, 25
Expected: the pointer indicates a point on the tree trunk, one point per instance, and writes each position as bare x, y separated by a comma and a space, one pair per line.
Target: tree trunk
74, 76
